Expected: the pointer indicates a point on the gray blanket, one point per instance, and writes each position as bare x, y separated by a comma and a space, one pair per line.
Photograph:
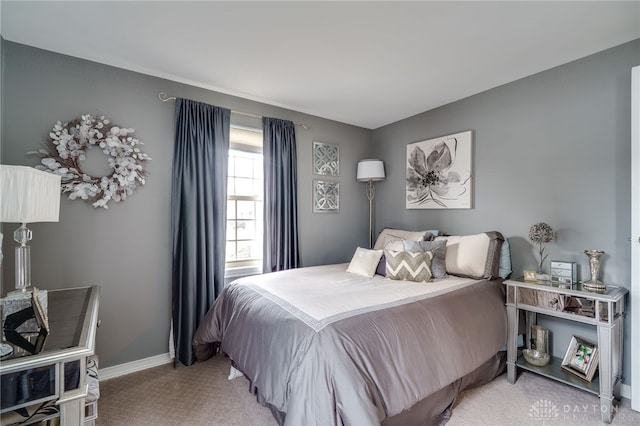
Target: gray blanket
358, 369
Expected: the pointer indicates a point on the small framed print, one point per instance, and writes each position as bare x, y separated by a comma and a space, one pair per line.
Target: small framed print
530, 276
326, 159
581, 358
326, 196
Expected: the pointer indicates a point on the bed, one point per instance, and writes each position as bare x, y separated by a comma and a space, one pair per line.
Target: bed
321, 345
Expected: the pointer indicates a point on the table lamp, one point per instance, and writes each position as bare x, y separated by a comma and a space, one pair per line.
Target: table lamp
27, 195
370, 171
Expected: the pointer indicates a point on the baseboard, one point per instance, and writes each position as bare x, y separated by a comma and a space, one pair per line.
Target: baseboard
133, 366
625, 391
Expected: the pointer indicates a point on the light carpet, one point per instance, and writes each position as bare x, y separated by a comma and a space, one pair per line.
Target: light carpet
202, 395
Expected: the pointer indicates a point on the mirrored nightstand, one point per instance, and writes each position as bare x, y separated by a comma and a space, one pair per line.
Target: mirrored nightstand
604, 310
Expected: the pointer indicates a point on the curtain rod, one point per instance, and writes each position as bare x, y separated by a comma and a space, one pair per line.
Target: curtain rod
165, 98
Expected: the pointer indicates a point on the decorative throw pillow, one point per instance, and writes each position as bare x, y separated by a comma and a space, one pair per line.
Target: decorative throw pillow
395, 245
382, 267
439, 249
504, 268
390, 234
430, 235
364, 262
404, 265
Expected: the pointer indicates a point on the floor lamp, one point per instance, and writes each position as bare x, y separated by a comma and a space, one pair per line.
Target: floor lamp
370, 171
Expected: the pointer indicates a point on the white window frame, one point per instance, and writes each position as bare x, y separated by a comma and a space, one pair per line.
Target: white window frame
239, 268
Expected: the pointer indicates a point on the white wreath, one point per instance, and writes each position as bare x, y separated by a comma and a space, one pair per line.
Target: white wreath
68, 144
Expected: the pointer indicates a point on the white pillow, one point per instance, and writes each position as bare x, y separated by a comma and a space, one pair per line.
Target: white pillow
474, 256
365, 262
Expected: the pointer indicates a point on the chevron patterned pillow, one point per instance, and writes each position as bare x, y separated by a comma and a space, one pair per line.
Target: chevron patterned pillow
404, 265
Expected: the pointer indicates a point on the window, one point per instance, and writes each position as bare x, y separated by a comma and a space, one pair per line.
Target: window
244, 199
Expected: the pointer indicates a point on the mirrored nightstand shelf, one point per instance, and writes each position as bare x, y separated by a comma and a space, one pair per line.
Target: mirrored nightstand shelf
604, 310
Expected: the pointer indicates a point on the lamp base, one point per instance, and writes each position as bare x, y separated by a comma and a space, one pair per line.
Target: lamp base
371, 192
23, 266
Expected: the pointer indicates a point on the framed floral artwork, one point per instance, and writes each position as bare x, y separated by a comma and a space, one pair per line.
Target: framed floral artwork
439, 173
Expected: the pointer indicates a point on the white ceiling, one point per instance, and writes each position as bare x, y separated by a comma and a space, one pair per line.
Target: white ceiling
363, 63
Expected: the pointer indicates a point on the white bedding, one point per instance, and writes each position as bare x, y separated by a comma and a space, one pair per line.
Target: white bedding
324, 294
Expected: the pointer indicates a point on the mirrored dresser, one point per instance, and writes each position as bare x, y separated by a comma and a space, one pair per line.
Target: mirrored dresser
49, 378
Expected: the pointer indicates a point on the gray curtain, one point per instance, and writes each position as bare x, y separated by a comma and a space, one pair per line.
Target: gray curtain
281, 249
199, 214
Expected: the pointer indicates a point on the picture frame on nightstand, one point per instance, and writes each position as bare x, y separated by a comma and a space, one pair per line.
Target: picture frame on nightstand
581, 358
530, 276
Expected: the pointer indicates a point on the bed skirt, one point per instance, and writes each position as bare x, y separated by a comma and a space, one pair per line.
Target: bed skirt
436, 408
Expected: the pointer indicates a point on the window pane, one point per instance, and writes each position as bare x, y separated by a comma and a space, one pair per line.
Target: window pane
231, 251
248, 250
232, 169
246, 230
244, 206
231, 210
244, 186
231, 230
244, 167
257, 168
246, 210
231, 186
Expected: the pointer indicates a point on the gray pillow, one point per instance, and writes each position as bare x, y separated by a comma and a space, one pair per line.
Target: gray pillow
504, 268
439, 249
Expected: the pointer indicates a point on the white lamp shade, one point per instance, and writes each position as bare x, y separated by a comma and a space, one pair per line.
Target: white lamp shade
370, 170
28, 195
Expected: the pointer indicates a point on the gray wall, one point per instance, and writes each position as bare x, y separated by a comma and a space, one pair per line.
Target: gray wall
1, 133
553, 147
126, 249
1, 81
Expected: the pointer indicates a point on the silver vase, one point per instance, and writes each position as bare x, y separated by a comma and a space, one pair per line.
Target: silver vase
594, 267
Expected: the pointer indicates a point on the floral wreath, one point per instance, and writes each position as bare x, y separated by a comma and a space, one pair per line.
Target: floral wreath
67, 146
